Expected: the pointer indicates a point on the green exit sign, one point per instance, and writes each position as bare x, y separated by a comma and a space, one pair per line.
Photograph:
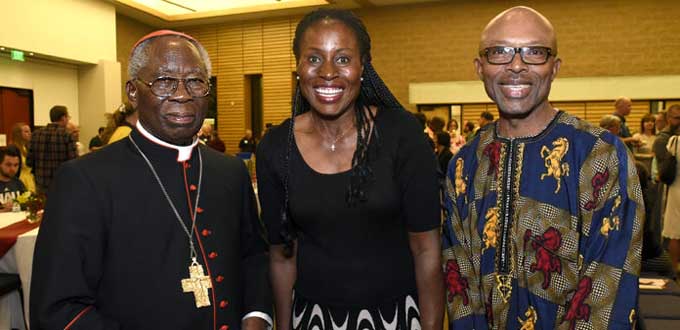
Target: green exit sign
17, 55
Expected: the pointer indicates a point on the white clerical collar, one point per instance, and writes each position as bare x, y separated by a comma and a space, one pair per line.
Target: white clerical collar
183, 152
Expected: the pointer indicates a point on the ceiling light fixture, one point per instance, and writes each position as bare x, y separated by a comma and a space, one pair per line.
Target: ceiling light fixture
178, 5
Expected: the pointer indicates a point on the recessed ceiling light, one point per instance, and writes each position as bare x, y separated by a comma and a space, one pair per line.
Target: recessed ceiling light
2, 48
30, 54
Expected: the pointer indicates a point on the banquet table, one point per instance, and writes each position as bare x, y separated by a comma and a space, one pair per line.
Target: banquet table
659, 308
17, 260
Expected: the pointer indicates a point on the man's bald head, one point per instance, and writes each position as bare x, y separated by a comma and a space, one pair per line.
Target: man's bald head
517, 63
524, 24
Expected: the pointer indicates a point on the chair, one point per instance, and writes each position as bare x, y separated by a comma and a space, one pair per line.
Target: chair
10, 283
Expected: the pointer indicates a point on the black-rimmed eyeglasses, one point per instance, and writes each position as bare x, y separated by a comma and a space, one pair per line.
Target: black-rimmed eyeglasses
535, 55
166, 86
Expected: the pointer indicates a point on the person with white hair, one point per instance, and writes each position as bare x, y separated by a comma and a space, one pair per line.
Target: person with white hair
164, 233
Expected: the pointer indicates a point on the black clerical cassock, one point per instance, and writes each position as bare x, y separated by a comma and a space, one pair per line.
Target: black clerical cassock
111, 253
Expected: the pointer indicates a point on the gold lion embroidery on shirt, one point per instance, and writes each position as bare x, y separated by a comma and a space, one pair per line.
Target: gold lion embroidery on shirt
632, 318
611, 222
490, 236
461, 187
531, 319
553, 161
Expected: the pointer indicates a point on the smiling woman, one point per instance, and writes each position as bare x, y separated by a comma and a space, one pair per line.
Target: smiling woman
349, 166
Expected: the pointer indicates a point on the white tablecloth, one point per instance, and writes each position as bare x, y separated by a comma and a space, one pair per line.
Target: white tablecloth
19, 259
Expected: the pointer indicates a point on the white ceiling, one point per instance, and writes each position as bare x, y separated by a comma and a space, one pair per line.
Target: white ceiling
172, 13
175, 9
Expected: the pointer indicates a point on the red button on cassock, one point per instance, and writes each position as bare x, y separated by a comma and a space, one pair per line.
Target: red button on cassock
212, 255
192, 187
224, 327
224, 303
219, 278
206, 233
186, 165
199, 210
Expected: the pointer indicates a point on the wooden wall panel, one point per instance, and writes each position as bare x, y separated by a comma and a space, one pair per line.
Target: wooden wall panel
293, 24
230, 109
577, 109
670, 103
252, 47
207, 36
471, 112
276, 70
596, 110
445, 35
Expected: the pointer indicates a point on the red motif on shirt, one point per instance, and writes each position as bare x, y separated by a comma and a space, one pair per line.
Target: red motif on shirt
546, 247
456, 283
598, 181
493, 152
578, 309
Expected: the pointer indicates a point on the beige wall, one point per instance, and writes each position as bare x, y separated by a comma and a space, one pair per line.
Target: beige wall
98, 93
659, 87
51, 84
128, 31
435, 42
79, 30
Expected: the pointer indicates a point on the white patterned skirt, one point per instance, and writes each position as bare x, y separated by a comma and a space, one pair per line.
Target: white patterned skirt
400, 314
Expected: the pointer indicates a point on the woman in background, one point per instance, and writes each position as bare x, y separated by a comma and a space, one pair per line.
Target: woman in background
21, 136
349, 193
671, 218
124, 119
643, 151
457, 139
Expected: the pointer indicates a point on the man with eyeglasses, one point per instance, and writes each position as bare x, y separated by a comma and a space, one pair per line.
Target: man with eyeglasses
544, 210
155, 231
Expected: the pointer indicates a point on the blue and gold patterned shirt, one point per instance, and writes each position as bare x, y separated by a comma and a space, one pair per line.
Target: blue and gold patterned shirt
543, 232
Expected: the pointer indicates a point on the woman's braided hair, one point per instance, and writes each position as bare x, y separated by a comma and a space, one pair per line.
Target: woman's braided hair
373, 92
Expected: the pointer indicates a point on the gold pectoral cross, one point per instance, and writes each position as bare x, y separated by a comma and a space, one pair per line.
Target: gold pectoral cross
198, 283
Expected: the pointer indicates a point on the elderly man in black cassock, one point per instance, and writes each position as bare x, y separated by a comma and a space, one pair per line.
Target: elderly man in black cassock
155, 231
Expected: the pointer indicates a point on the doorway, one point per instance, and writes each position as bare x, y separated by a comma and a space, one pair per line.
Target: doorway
16, 105
253, 103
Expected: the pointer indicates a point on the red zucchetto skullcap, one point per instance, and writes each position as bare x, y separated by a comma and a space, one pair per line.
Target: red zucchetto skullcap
161, 33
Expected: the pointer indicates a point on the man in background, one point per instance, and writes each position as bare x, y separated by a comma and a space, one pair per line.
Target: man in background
622, 108
248, 142
485, 118
10, 186
50, 147
660, 121
96, 142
